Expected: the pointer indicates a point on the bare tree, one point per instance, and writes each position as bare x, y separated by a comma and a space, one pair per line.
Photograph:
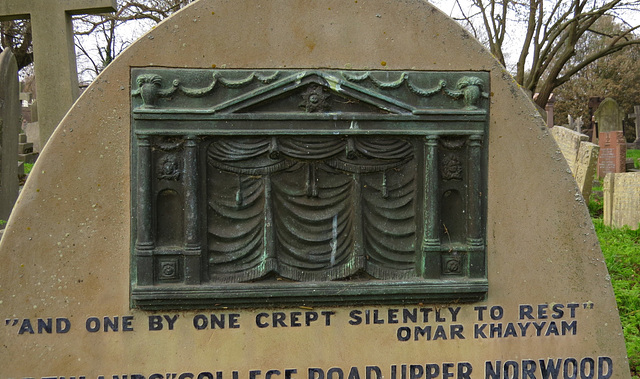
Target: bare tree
100, 38
549, 32
16, 35
616, 75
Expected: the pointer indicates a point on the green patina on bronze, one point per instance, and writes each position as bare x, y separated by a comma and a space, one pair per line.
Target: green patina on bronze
316, 187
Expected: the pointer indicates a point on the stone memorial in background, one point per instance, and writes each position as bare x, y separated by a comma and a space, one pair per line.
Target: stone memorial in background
621, 202
581, 156
549, 109
25, 150
578, 124
636, 117
317, 193
53, 51
569, 142
608, 117
613, 153
575, 124
593, 104
9, 127
586, 167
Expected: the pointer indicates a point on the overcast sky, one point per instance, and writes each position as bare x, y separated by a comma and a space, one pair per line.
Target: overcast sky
515, 36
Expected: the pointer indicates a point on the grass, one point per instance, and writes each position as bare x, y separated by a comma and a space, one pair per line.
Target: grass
635, 154
621, 249
27, 168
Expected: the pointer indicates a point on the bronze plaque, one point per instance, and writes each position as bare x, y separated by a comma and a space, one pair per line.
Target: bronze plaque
307, 187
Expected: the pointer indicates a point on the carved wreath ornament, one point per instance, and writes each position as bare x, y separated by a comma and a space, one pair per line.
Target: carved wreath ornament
469, 88
168, 168
315, 99
451, 168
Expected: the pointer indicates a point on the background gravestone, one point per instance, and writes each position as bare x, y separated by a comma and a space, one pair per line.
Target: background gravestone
569, 143
608, 117
621, 201
586, 167
613, 153
636, 117
67, 251
581, 156
9, 127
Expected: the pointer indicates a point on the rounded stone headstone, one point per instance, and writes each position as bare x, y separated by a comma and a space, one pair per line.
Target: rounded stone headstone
66, 256
609, 116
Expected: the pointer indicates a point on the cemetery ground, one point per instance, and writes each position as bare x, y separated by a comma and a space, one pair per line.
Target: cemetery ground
635, 154
621, 249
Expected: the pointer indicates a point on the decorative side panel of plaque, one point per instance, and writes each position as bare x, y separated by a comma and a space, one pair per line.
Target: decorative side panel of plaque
307, 187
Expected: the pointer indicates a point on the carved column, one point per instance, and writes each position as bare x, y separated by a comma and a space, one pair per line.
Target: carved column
144, 232
474, 198
475, 239
430, 264
192, 245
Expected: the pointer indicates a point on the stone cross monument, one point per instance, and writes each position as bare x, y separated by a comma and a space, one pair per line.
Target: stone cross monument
53, 50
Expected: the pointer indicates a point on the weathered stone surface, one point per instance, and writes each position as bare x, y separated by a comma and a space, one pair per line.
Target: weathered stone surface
9, 127
613, 153
25, 148
569, 142
581, 156
609, 117
54, 51
32, 130
622, 200
586, 167
66, 249
33, 112
636, 117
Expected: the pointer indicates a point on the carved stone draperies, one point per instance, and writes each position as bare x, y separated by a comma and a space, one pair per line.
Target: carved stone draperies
311, 208
321, 187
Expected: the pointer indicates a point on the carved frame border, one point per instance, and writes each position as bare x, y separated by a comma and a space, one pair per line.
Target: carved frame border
419, 104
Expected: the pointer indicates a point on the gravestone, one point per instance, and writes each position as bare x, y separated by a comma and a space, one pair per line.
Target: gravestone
569, 143
25, 150
9, 126
184, 218
636, 117
33, 111
593, 104
608, 116
571, 125
613, 153
621, 201
549, 108
578, 124
575, 124
32, 131
581, 156
586, 167
53, 51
